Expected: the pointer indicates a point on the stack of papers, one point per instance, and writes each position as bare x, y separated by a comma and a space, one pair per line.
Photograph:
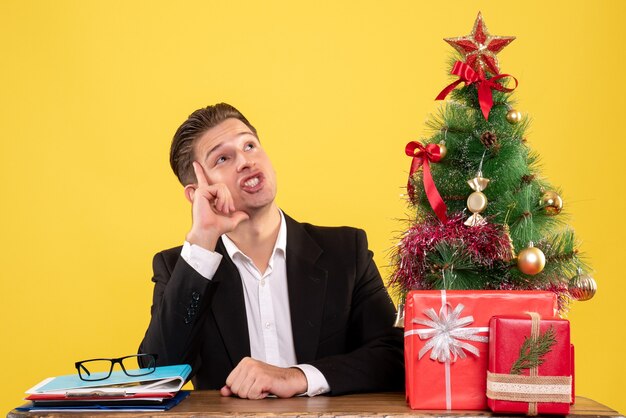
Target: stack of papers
157, 391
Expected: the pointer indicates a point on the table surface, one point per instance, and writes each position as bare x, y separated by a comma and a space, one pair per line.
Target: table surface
388, 405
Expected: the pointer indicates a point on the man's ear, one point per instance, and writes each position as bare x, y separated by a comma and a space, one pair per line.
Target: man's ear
190, 189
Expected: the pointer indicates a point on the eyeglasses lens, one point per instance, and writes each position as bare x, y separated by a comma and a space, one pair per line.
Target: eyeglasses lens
139, 365
95, 369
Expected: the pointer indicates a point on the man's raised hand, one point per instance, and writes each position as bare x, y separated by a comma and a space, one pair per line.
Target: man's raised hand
213, 211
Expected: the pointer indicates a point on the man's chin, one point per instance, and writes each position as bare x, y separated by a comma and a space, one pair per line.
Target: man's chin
258, 207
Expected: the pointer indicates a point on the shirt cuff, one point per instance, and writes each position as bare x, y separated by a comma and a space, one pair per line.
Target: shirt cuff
316, 382
203, 261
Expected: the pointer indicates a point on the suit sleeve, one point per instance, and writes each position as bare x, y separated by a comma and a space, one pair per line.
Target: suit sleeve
375, 359
180, 295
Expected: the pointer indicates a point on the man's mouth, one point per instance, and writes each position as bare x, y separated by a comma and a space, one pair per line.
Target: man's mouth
253, 183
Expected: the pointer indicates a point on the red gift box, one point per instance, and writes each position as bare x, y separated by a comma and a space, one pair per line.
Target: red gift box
445, 344
516, 384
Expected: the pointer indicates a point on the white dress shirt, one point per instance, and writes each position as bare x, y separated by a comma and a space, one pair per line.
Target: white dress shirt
267, 303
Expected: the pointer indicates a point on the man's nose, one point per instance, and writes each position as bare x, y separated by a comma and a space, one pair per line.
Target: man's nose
245, 163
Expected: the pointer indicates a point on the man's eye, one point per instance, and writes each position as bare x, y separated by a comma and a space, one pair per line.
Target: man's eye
249, 146
220, 160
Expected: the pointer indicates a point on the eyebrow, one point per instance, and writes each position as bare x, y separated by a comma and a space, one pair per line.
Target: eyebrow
218, 146
212, 150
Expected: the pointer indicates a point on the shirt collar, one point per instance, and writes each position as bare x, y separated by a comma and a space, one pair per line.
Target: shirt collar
281, 241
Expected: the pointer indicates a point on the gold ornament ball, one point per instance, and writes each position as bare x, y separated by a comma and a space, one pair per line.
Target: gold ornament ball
443, 150
582, 287
513, 116
477, 202
531, 260
551, 202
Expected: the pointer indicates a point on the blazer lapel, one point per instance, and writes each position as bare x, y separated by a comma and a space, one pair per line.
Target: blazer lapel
306, 283
229, 308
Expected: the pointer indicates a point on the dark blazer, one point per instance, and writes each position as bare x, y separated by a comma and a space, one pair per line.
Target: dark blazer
341, 313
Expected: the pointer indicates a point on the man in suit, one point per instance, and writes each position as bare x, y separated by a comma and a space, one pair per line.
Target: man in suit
256, 302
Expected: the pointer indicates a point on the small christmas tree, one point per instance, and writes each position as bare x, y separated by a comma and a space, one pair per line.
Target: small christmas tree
484, 217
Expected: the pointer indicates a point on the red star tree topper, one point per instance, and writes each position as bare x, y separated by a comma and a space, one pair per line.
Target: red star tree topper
480, 48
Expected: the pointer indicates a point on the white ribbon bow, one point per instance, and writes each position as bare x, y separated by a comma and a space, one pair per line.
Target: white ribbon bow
446, 332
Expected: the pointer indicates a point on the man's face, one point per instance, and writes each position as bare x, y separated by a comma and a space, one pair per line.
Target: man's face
232, 155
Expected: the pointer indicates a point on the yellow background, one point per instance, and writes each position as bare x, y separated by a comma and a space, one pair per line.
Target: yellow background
91, 93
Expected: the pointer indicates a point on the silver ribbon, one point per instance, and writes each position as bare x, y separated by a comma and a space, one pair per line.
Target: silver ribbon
447, 334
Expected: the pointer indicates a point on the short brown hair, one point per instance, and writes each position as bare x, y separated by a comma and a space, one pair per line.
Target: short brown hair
200, 121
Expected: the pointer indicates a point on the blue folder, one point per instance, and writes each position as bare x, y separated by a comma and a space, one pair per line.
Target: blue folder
175, 375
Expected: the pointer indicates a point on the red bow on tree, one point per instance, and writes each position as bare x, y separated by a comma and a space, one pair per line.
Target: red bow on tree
484, 86
425, 155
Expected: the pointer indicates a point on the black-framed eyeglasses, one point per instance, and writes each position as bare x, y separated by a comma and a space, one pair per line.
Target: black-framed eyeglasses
100, 368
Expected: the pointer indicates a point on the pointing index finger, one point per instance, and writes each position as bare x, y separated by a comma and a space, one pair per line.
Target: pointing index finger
200, 177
